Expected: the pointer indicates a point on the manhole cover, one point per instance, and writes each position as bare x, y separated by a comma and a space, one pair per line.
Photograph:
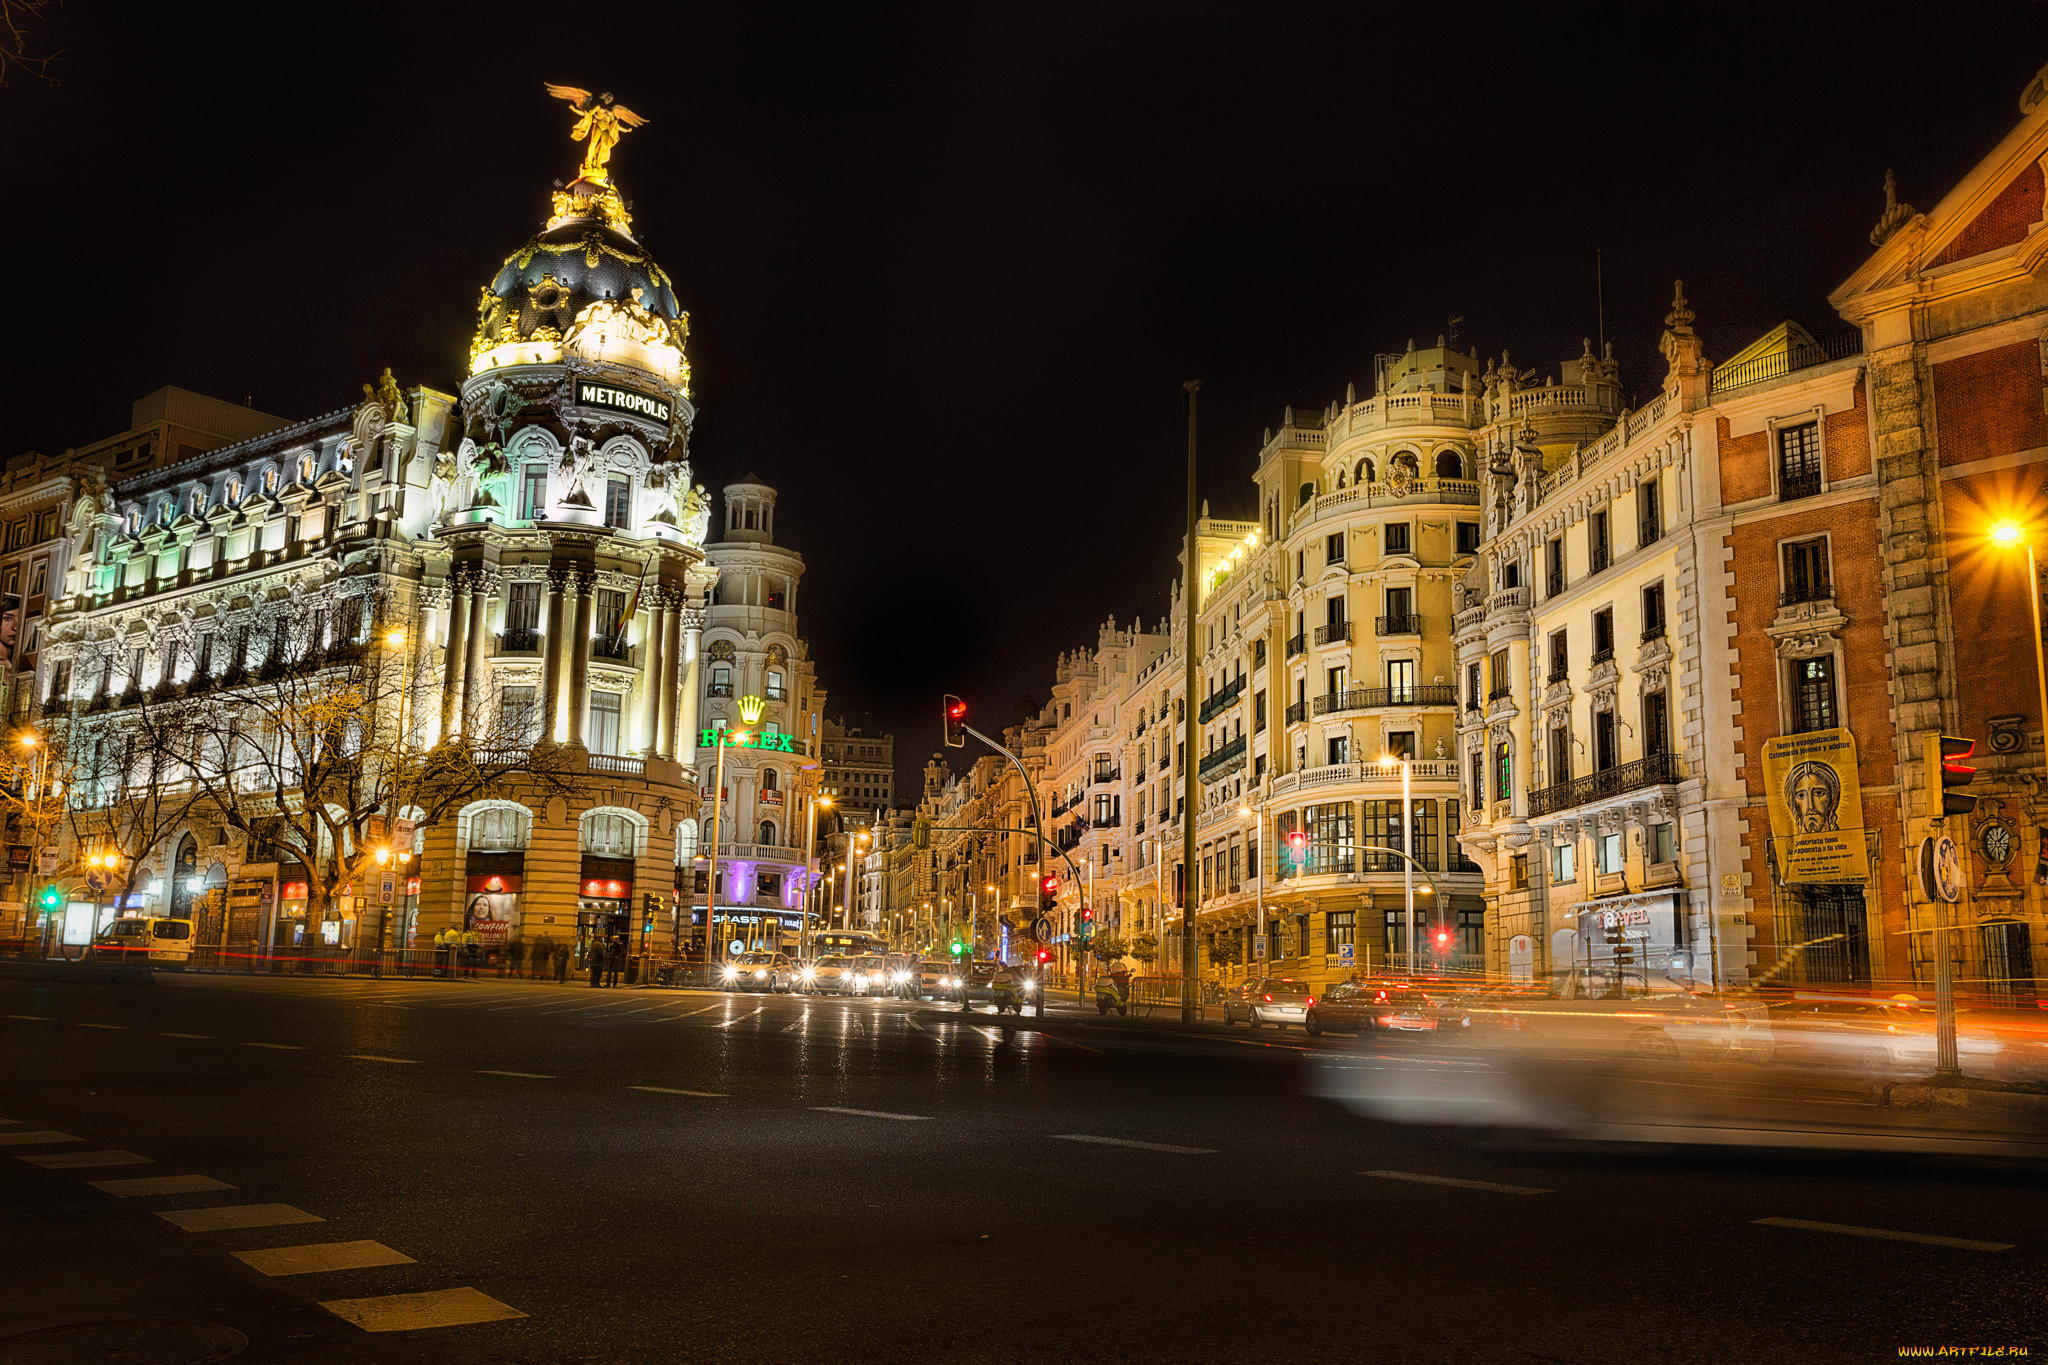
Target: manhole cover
124, 1343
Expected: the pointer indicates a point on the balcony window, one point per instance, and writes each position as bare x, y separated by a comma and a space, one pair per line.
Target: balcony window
618, 501
1560, 657
1798, 461
518, 715
533, 492
721, 681
1649, 513
605, 711
1653, 612
1597, 544
1813, 695
1339, 749
500, 829
1400, 681
1553, 567
1806, 572
1603, 635
1656, 725
774, 690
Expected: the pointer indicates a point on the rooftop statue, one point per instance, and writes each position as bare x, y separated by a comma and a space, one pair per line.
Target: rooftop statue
600, 122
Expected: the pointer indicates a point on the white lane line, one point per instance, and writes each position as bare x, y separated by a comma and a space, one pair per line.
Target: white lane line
742, 1019
1456, 1184
373, 1057
1850, 1230
44, 1018
1071, 1043
109, 1026
870, 1113
693, 1094
8, 1122
409, 1312
66, 1161
687, 1013
184, 1035
237, 1216
25, 1139
1129, 1142
520, 1075
322, 1256
280, 1047
160, 1184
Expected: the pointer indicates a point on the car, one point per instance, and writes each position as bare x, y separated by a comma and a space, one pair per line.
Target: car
932, 979
834, 976
1371, 1007
1276, 1000
1893, 1036
758, 972
157, 940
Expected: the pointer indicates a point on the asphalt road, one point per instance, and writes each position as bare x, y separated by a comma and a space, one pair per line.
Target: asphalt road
562, 1174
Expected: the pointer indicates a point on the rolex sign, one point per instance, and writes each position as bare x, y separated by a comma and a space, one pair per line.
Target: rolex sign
592, 394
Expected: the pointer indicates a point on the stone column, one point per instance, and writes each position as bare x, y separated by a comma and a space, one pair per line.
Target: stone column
458, 653
473, 669
671, 649
551, 660
653, 660
579, 656
691, 686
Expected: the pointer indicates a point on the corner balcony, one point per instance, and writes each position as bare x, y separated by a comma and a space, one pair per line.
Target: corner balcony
1658, 770
1220, 701
1223, 762
1333, 633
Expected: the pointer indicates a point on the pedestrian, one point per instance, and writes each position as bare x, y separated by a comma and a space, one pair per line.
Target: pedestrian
472, 952
614, 959
543, 950
593, 958
561, 956
515, 955
443, 952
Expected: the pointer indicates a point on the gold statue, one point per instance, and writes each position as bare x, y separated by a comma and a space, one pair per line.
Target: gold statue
601, 123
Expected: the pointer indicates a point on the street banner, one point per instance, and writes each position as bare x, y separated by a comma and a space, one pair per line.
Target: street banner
1816, 802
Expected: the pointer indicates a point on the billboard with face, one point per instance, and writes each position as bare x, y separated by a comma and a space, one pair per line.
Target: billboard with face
1816, 807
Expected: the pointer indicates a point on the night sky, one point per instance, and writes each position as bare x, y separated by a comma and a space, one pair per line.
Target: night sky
947, 265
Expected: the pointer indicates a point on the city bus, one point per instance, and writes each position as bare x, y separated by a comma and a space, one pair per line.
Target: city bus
846, 943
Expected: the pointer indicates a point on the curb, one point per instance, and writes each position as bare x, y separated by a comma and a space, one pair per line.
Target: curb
1924, 1095
76, 971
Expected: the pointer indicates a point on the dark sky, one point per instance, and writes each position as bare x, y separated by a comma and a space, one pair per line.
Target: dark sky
947, 265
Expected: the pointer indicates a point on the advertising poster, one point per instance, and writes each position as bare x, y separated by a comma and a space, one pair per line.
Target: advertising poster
1816, 806
492, 909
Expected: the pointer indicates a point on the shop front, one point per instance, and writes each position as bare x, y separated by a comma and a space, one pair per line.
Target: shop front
604, 904
491, 910
1635, 941
750, 929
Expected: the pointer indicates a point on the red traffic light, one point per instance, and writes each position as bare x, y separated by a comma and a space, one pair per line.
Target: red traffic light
1297, 840
1443, 938
1088, 914
1050, 883
1044, 955
954, 712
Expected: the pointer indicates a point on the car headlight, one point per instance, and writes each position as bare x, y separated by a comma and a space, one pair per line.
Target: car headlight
901, 977
810, 973
731, 973
1030, 986
760, 976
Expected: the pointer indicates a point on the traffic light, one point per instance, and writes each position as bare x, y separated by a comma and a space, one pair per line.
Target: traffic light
1044, 956
1945, 768
1443, 940
1297, 846
956, 722
1087, 923
1048, 892
959, 948
49, 900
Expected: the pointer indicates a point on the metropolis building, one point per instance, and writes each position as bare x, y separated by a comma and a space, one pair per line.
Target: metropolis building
537, 541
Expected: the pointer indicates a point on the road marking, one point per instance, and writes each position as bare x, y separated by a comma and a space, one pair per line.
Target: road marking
24, 1139
7, 1122
1848, 1229
409, 1312
742, 1019
521, 1075
117, 1026
687, 1013
870, 1113
237, 1216
184, 1035
1130, 1142
694, 1094
281, 1047
65, 1161
322, 1256
372, 1057
160, 1184
1071, 1043
44, 1018
1456, 1184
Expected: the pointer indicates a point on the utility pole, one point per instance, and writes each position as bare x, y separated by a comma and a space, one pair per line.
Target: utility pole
1189, 1009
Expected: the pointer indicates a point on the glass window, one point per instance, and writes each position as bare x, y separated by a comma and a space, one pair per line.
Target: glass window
1608, 849
1397, 538
1332, 842
533, 492
1806, 571
1813, 695
1468, 537
518, 714
1503, 771
605, 709
609, 834
1564, 863
1400, 681
1799, 460
1339, 929
686, 843
767, 832
500, 829
618, 499
522, 607
721, 680
1663, 843
774, 690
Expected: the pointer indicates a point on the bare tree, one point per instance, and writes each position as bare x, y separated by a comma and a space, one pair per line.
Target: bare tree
20, 53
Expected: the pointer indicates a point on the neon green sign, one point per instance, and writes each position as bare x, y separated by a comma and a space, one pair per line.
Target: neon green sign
709, 739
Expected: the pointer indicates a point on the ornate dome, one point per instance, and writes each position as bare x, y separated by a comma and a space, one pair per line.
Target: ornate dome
580, 270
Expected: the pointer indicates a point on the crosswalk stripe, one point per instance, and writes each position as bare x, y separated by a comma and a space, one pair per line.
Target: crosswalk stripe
521, 1075
225, 1216
70, 1161
319, 1256
1456, 1184
160, 1184
410, 1312
871, 1113
30, 1139
1851, 1230
694, 1094
1133, 1142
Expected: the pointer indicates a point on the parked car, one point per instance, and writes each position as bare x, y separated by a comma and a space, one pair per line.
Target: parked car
1276, 1000
758, 972
1372, 1007
159, 941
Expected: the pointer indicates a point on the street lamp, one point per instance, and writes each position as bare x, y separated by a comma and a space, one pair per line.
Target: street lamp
2005, 535
1407, 847
811, 878
726, 739
1259, 868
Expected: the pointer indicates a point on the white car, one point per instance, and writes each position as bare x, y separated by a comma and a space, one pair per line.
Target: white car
758, 972
835, 976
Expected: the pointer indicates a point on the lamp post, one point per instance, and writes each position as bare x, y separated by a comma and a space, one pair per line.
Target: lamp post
803, 949
1407, 864
853, 843
1258, 869
2008, 534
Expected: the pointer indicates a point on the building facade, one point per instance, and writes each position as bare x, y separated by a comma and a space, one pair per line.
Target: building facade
859, 770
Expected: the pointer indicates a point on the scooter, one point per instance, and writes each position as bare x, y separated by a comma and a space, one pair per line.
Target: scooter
1108, 997
1015, 995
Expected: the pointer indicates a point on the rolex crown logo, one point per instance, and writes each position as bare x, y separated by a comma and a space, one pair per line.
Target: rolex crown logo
750, 709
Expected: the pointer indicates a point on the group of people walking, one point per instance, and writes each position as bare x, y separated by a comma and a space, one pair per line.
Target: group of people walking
461, 952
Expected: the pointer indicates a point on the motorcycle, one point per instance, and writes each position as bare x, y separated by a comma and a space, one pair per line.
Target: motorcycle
1014, 993
1109, 996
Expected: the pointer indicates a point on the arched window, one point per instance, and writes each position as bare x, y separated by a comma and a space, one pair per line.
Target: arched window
270, 480
1340, 478
1406, 460
1449, 465
1366, 472
1308, 490
609, 834
686, 843
768, 779
774, 690
768, 832
234, 491
199, 501
499, 829
306, 468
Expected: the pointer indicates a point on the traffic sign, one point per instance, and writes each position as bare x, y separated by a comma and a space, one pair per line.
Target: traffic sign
1259, 946
1042, 930
48, 861
1347, 955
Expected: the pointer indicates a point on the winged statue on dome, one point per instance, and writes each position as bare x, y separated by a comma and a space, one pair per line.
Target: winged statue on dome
600, 121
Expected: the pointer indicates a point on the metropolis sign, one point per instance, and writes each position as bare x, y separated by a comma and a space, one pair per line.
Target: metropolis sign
592, 394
